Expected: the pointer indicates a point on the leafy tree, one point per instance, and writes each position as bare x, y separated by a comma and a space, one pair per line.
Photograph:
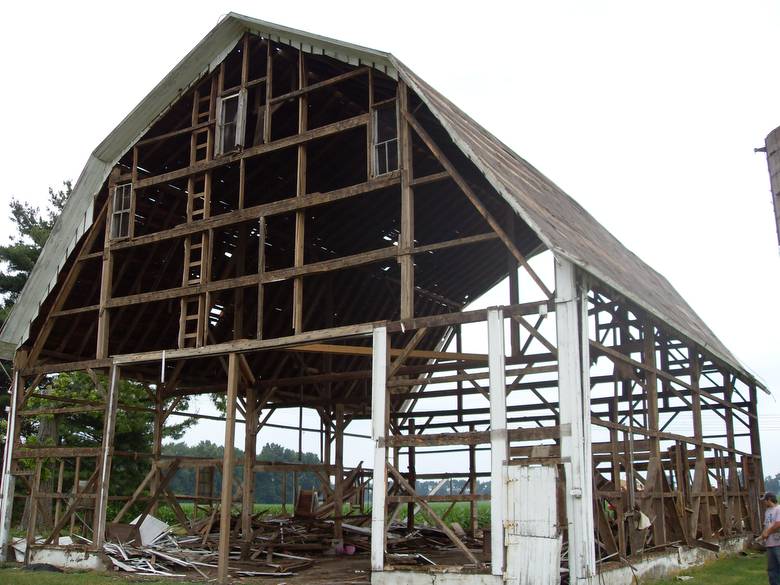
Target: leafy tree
268, 486
134, 428
17, 259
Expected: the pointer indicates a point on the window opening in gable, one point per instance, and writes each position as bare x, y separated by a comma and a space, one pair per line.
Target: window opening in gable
230, 127
385, 124
120, 215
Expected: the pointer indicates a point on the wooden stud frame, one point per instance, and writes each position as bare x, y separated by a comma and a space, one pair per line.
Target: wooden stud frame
602, 382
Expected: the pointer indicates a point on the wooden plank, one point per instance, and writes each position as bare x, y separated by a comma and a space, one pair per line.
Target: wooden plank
362, 329
379, 423
463, 185
300, 190
571, 322
433, 516
106, 450
499, 443
227, 470
474, 437
406, 237
287, 142
303, 90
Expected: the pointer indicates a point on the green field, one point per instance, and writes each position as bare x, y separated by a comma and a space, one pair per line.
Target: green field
460, 512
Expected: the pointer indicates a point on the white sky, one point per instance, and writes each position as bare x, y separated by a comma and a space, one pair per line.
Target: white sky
647, 113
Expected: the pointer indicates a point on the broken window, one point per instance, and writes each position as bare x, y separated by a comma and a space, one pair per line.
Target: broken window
120, 216
385, 138
230, 126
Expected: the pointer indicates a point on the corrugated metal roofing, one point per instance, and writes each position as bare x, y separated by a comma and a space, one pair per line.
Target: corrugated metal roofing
560, 222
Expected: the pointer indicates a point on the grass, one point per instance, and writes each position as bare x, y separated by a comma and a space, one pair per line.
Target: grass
736, 570
14, 574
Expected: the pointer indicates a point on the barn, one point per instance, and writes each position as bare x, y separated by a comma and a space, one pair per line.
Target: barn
297, 223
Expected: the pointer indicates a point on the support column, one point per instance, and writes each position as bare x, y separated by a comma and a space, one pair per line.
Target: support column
227, 470
250, 449
8, 479
379, 416
473, 511
571, 320
756, 487
157, 432
106, 452
406, 237
654, 487
412, 477
338, 492
499, 444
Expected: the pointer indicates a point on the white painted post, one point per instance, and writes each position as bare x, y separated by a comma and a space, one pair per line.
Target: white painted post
571, 320
107, 448
378, 431
7, 479
499, 444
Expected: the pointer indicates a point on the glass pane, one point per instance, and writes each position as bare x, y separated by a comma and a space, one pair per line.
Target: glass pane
381, 159
229, 109
228, 137
125, 225
392, 155
386, 127
115, 223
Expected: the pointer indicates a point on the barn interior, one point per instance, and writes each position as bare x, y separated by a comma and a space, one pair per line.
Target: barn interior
300, 234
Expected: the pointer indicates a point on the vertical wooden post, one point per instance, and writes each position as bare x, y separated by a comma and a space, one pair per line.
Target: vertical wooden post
756, 487
411, 479
654, 487
574, 396
269, 70
250, 449
379, 416
473, 509
60, 479
300, 215
261, 235
701, 483
32, 522
499, 443
338, 492
157, 432
8, 479
733, 488
514, 292
227, 470
406, 243
102, 348
106, 452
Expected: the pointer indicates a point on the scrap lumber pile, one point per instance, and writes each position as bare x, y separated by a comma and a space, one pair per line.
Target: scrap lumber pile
280, 545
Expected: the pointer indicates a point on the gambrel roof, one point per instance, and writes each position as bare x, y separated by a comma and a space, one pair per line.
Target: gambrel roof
564, 227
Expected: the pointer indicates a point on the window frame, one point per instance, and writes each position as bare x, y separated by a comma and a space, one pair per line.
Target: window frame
117, 213
240, 122
376, 144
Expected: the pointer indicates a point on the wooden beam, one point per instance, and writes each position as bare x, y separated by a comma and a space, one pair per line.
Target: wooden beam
406, 237
227, 470
106, 451
464, 186
379, 424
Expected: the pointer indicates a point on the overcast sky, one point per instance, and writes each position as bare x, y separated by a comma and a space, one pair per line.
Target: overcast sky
647, 113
